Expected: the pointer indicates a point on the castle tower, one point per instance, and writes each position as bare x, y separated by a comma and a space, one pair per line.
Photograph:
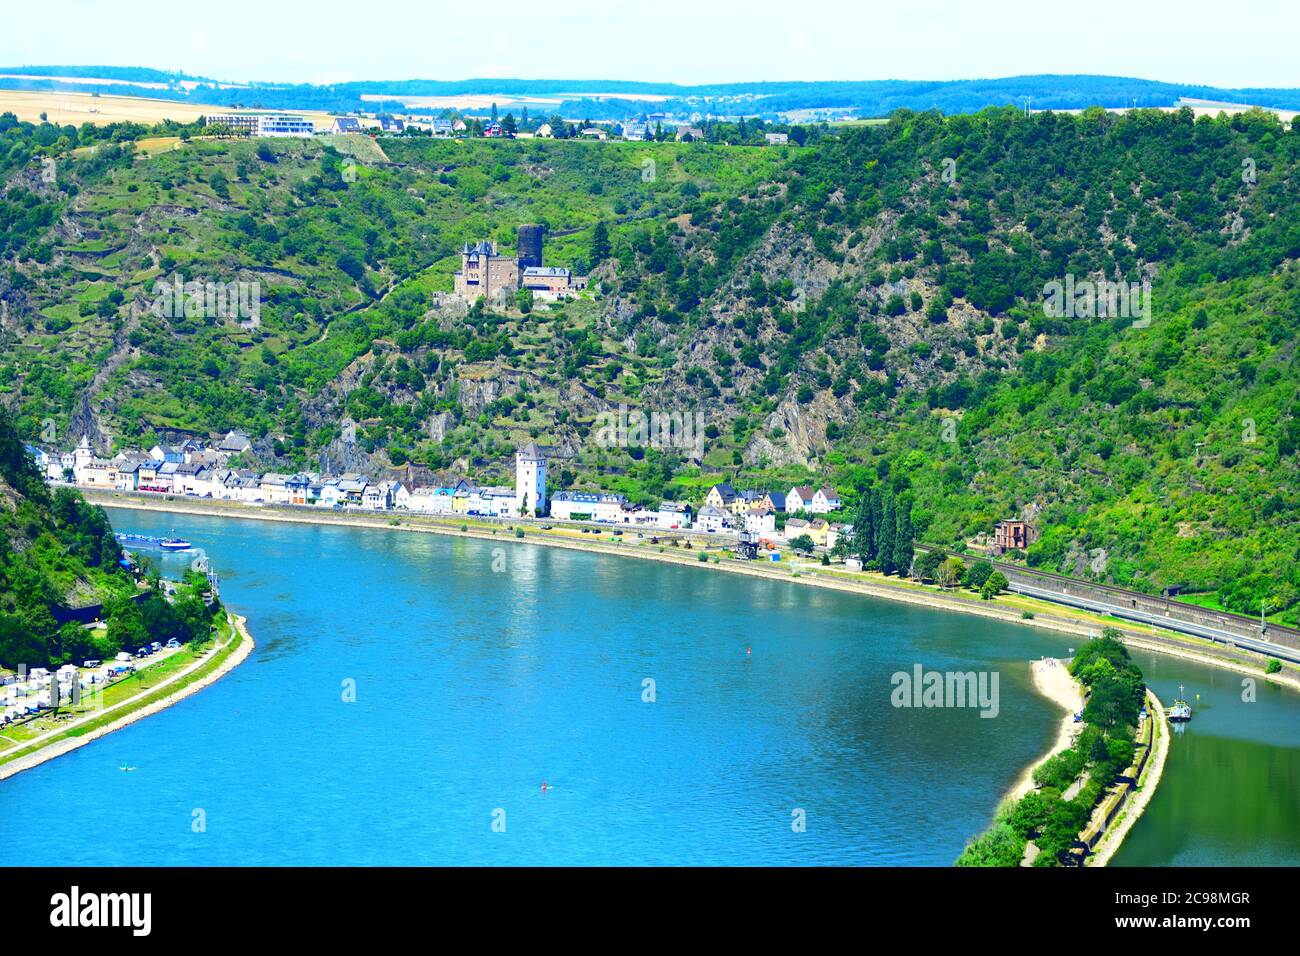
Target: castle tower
530, 246
530, 481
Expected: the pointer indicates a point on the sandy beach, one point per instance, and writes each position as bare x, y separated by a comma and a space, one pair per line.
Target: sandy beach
1052, 679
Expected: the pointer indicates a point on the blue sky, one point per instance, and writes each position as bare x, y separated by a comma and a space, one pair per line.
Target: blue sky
1240, 43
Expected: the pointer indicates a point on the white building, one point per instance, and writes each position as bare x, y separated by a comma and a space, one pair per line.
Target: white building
825, 501
432, 501
530, 481
712, 520
760, 520
673, 514
284, 124
588, 506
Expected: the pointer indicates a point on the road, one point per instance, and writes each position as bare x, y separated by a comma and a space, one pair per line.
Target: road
1168, 623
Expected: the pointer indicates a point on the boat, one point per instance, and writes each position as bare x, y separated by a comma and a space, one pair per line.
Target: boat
174, 544
1180, 711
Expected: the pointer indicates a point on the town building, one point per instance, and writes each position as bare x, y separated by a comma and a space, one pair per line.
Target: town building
1010, 534
264, 124
673, 515
760, 520
285, 124
711, 520
812, 500
720, 496
235, 443
825, 501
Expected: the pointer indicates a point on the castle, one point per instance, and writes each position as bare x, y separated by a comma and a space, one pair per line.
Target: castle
483, 272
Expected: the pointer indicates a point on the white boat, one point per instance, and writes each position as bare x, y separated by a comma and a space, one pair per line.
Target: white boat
1180, 711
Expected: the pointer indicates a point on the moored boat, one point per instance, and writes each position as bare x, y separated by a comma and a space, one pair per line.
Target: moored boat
1179, 711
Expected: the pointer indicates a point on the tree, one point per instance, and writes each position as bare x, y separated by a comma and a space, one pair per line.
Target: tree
950, 573
803, 543
927, 565
877, 522
979, 573
862, 530
885, 543
599, 250
995, 585
903, 551
1000, 846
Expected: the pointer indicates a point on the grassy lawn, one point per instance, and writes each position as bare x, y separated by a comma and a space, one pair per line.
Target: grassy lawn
15, 746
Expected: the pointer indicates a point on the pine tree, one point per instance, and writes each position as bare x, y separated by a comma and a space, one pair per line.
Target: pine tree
862, 528
903, 552
599, 243
874, 526
885, 539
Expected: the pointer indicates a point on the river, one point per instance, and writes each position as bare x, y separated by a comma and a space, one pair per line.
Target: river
483, 670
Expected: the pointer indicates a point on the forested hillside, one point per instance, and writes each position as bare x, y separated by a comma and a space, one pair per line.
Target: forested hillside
866, 309
55, 551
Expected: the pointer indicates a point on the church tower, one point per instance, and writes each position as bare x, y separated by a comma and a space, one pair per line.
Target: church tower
530, 481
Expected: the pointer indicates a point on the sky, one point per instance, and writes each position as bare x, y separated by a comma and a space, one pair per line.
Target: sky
1234, 44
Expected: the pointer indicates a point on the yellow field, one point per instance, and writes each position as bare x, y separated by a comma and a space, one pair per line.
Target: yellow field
76, 108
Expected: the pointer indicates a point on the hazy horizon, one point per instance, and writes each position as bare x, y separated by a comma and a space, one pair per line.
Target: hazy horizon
675, 42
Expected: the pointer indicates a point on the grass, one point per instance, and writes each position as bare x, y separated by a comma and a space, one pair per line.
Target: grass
124, 689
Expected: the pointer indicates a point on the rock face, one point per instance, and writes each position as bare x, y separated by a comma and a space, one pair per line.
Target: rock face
86, 422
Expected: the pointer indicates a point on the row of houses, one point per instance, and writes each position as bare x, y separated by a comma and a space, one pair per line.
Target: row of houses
194, 469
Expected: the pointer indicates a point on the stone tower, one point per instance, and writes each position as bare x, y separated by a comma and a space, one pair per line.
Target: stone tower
530, 481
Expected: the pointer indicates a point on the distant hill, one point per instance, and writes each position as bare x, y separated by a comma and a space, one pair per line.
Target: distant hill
617, 99
866, 310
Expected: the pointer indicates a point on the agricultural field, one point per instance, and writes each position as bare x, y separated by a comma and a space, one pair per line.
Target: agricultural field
64, 108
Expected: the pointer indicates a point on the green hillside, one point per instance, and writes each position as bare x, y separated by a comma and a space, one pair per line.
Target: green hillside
55, 550
866, 309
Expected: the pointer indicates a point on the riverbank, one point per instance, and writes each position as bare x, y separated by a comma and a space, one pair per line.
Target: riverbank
1051, 678
1146, 785
1012, 608
205, 671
